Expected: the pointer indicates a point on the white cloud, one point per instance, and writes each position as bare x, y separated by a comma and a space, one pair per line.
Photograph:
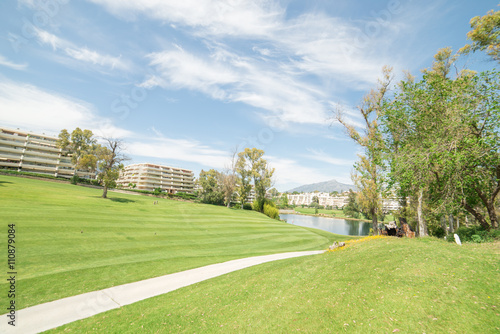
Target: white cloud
289, 171
229, 77
82, 54
180, 150
15, 66
296, 65
209, 17
180, 69
320, 155
31, 108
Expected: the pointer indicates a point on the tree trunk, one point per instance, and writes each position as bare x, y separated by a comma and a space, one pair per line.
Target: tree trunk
443, 225
492, 214
466, 221
478, 216
420, 218
451, 220
105, 191
375, 222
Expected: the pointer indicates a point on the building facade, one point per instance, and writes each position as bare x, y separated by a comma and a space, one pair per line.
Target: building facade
36, 153
324, 199
146, 176
339, 201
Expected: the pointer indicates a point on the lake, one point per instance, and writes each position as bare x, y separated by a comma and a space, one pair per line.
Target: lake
334, 225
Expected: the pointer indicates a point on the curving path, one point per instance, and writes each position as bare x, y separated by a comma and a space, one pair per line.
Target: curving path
50, 315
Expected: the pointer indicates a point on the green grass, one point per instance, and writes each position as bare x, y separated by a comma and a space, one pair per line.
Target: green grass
69, 240
379, 286
334, 213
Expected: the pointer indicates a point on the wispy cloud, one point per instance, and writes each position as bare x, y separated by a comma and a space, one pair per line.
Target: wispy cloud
208, 17
173, 149
224, 75
15, 66
81, 54
289, 67
320, 155
32, 108
289, 172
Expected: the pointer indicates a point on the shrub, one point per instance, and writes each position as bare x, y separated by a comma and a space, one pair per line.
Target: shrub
74, 179
437, 231
236, 205
247, 206
475, 234
271, 211
157, 191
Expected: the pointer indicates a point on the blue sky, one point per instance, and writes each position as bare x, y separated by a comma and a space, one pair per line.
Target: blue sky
186, 82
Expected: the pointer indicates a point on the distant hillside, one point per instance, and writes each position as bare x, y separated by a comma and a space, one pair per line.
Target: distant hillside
327, 187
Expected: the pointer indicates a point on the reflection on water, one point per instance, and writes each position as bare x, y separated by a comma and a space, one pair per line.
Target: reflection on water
334, 225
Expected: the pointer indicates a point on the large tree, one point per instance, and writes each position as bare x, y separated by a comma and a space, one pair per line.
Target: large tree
443, 135
228, 179
82, 146
368, 175
252, 164
111, 158
212, 192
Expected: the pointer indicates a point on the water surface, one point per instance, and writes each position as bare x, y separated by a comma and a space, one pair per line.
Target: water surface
334, 225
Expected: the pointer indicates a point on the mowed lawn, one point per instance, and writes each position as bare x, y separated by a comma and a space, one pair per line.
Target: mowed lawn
386, 285
69, 240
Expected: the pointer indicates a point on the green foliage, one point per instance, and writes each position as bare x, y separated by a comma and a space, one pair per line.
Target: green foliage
475, 234
284, 201
485, 35
75, 179
351, 209
247, 206
436, 231
157, 191
212, 192
185, 196
236, 205
252, 166
442, 139
271, 211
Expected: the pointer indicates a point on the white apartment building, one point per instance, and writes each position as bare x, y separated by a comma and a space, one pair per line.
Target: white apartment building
324, 199
36, 153
339, 201
148, 176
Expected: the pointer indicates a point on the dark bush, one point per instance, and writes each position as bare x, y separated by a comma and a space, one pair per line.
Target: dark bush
74, 179
437, 231
247, 206
475, 234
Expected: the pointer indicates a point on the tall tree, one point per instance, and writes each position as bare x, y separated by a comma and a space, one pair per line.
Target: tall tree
443, 136
368, 176
251, 163
82, 146
485, 35
111, 158
212, 192
243, 183
228, 179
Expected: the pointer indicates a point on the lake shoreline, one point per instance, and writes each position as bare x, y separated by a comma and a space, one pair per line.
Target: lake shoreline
293, 212
328, 223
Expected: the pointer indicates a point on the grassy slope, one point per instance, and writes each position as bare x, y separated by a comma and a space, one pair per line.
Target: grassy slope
125, 238
378, 286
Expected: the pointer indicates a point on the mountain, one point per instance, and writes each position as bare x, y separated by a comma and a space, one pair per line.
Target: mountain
327, 187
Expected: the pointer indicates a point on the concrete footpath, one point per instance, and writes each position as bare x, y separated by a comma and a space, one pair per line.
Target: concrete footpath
50, 315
